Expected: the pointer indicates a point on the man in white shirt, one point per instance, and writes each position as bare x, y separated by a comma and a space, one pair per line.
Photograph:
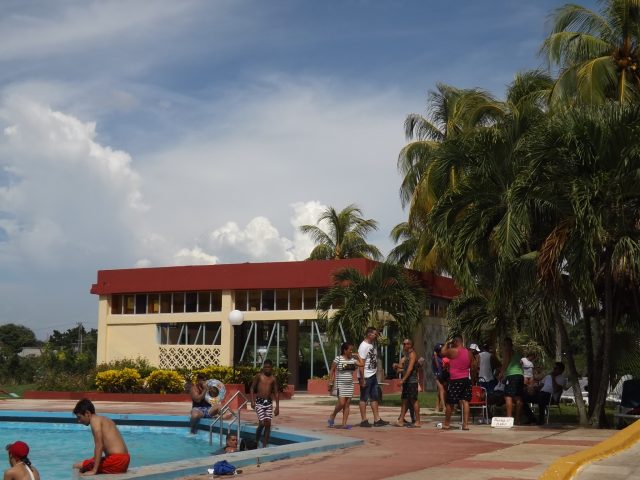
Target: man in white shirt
552, 387
487, 363
368, 379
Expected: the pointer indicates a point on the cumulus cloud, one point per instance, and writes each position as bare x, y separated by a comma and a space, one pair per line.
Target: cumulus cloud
66, 190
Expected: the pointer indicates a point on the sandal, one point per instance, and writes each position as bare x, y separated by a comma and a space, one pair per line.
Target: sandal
347, 427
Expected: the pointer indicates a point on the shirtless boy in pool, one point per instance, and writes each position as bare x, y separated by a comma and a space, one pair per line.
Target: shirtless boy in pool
107, 440
265, 386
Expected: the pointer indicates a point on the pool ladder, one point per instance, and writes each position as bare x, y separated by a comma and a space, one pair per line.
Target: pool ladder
235, 417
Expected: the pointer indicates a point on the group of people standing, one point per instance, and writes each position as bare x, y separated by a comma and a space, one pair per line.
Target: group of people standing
341, 381
514, 380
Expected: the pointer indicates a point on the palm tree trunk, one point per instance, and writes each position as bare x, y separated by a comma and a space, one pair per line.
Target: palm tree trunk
573, 371
588, 338
598, 418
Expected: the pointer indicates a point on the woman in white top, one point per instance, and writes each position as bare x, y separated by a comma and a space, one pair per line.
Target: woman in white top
341, 375
527, 368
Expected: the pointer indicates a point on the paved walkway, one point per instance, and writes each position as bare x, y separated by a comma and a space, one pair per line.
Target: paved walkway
482, 453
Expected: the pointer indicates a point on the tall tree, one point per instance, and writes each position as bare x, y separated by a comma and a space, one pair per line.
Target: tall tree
345, 236
597, 52
588, 170
426, 174
389, 295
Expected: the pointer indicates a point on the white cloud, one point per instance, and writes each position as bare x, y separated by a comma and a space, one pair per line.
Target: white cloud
259, 240
67, 193
194, 256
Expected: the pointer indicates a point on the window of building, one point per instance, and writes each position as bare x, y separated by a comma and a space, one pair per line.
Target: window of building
191, 302
204, 301
295, 299
165, 303
116, 304
178, 303
254, 300
189, 333
241, 300
216, 301
141, 303
309, 298
128, 304
153, 303
268, 299
282, 299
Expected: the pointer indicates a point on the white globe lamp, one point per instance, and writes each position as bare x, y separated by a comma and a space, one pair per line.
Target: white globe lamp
235, 317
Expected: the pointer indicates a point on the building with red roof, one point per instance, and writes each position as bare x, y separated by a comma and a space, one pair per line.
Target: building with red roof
177, 317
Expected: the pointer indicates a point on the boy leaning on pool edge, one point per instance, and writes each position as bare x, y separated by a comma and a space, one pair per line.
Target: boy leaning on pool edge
106, 439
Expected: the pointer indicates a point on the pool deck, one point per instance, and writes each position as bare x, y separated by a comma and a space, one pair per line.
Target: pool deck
482, 453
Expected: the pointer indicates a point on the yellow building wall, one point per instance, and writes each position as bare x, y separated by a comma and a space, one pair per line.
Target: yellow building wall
132, 341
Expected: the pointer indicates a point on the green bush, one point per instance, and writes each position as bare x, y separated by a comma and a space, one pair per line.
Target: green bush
140, 364
165, 381
126, 380
70, 382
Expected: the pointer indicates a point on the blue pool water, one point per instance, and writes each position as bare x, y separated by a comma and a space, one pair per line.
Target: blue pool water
55, 447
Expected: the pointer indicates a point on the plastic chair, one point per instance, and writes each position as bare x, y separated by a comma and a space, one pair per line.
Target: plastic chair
479, 400
554, 401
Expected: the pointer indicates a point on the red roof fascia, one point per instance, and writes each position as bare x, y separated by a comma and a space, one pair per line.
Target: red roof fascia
240, 276
246, 276
439, 286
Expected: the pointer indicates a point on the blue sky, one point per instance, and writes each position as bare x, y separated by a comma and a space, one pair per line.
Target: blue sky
161, 133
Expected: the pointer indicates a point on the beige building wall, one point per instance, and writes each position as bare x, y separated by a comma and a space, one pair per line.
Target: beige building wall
130, 335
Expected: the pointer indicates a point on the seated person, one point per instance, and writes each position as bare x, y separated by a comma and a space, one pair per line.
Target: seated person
200, 407
552, 386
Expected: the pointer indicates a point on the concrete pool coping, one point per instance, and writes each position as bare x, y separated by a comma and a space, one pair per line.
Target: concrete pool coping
293, 443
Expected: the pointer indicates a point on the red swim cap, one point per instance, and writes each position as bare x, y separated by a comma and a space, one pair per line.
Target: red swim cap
18, 449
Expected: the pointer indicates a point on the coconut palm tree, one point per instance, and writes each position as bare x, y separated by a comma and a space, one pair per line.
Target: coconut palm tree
425, 175
587, 162
389, 295
597, 52
345, 237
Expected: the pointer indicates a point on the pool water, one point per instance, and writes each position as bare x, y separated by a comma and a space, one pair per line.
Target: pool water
55, 447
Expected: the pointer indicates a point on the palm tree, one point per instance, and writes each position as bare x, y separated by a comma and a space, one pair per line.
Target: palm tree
346, 235
389, 295
587, 162
597, 52
426, 175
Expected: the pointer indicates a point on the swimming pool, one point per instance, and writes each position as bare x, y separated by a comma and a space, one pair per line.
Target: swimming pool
194, 454
55, 447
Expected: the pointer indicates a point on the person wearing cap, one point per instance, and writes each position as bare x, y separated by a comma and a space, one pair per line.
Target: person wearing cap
107, 441
21, 468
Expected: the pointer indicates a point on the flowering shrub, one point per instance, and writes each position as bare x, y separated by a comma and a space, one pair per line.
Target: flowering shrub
165, 381
126, 380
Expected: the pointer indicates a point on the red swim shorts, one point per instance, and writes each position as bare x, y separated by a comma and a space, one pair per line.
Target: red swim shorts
114, 463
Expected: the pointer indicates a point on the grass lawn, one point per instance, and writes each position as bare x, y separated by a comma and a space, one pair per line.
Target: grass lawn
17, 389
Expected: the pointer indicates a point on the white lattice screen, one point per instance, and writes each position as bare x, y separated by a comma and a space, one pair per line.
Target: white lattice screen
188, 356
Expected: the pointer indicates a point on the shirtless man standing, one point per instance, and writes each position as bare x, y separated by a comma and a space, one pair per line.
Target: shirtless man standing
21, 468
265, 386
107, 440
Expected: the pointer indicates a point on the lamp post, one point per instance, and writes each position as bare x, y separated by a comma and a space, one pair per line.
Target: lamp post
236, 317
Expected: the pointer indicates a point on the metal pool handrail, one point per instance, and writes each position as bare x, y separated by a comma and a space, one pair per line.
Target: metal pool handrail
234, 414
